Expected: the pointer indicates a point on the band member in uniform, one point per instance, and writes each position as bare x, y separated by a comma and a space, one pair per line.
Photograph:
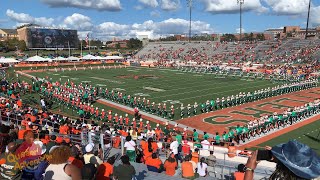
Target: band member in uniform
195, 108
172, 112
189, 110
181, 111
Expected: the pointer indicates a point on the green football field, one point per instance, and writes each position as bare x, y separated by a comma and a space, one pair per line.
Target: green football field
162, 85
308, 134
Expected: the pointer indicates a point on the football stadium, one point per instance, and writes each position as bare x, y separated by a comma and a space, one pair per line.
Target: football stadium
159, 100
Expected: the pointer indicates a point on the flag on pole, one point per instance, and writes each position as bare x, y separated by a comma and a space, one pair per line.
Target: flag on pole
87, 39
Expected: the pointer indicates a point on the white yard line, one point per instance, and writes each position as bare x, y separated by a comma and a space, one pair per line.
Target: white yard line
206, 90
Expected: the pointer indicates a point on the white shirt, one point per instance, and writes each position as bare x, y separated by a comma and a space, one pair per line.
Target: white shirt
201, 170
205, 144
130, 145
174, 147
42, 102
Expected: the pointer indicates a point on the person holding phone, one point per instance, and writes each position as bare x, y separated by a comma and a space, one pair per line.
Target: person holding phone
295, 161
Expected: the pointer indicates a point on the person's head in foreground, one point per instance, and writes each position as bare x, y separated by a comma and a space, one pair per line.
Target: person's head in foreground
295, 161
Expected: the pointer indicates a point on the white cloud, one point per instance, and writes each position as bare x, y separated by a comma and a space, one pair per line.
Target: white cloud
242, 30
231, 6
155, 14
22, 18
138, 7
150, 3
288, 7
170, 5
78, 21
101, 5
315, 16
171, 26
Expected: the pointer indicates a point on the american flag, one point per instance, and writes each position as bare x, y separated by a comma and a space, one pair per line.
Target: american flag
87, 39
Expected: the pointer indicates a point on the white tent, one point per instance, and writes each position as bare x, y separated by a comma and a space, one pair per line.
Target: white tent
8, 60
100, 58
88, 57
72, 58
60, 59
48, 59
114, 57
36, 59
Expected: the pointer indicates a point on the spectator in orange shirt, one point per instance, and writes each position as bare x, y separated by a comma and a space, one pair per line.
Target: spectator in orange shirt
186, 149
148, 148
170, 165
19, 103
154, 164
21, 132
64, 129
195, 156
105, 170
187, 169
116, 141
239, 175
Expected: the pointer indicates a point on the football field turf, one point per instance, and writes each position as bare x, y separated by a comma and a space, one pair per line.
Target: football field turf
162, 85
308, 134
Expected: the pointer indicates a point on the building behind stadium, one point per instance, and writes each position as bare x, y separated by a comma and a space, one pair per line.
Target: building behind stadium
37, 37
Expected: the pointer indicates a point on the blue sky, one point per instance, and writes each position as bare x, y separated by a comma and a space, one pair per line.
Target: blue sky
105, 19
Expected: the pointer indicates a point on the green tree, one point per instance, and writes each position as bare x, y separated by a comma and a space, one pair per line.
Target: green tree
228, 37
22, 45
134, 43
118, 46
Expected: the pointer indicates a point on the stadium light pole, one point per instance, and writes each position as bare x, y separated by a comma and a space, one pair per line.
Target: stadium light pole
307, 28
240, 2
190, 13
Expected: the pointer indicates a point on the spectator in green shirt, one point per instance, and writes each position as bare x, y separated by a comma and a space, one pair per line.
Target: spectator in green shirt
195, 135
205, 136
217, 139
179, 137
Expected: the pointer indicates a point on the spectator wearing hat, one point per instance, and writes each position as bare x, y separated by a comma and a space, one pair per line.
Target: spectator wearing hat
294, 161
89, 157
124, 171
36, 169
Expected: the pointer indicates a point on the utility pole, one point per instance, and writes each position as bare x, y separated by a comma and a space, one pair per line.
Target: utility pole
190, 13
307, 28
240, 2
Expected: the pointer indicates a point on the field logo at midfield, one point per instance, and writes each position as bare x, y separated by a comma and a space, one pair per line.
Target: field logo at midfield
154, 89
141, 94
172, 101
108, 80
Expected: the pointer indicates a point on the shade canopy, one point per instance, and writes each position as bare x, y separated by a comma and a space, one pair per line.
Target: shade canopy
36, 59
8, 60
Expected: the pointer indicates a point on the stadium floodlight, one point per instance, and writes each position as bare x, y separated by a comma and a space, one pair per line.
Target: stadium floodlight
240, 2
307, 28
190, 13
